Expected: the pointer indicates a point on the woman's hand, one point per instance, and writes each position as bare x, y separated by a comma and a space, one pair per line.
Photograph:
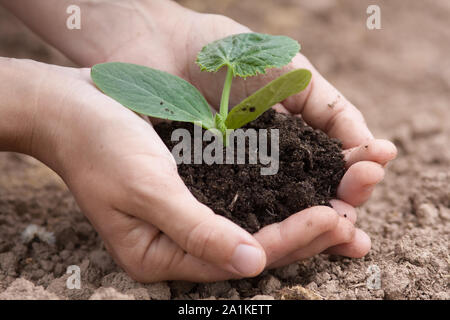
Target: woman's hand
125, 180
313, 230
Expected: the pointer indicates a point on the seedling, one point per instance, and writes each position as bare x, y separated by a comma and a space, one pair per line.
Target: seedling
159, 94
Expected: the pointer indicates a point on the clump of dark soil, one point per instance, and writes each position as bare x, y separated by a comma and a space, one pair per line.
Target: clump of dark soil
311, 166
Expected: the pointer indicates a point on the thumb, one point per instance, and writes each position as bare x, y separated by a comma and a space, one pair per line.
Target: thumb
196, 228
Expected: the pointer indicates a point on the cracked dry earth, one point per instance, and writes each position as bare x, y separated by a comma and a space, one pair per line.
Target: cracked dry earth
408, 217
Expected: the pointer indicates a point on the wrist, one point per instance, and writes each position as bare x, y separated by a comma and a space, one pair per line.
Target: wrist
29, 117
17, 105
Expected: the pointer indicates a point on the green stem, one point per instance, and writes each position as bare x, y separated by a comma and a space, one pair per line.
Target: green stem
226, 94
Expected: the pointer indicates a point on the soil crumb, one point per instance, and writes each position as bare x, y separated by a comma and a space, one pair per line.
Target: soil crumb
311, 165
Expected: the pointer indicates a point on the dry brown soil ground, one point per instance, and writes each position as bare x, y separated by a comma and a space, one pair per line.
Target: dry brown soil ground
400, 79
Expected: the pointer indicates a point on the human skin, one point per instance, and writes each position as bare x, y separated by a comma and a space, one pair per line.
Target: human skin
121, 174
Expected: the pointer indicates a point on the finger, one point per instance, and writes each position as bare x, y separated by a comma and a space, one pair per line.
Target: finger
377, 150
344, 232
150, 256
280, 108
280, 239
344, 210
357, 248
194, 227
325, 108
359, 181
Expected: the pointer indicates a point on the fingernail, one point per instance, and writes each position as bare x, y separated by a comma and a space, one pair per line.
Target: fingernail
247, 260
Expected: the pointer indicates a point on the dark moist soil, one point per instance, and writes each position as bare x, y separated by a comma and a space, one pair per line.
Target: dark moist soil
311, 166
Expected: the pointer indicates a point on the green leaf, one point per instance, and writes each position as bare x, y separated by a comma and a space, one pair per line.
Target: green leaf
152, 92
248, 54
276, 91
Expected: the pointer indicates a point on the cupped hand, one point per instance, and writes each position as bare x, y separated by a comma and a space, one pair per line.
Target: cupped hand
125, 180
317, 229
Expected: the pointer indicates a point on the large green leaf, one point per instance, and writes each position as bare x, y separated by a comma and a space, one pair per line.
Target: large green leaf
152, 92
259, 102
248, 54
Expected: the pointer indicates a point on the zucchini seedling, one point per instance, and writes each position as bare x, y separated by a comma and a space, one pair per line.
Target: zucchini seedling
159, 94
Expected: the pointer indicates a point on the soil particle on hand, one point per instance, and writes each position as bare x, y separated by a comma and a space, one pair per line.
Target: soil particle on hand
333, 104
311, 166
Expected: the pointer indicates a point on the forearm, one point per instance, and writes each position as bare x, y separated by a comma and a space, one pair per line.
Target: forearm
106, 26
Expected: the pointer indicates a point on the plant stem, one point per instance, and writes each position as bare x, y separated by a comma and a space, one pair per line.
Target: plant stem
226, 94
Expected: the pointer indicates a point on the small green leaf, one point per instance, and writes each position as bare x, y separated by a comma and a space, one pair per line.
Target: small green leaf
276, 91
152, 92
248, 54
